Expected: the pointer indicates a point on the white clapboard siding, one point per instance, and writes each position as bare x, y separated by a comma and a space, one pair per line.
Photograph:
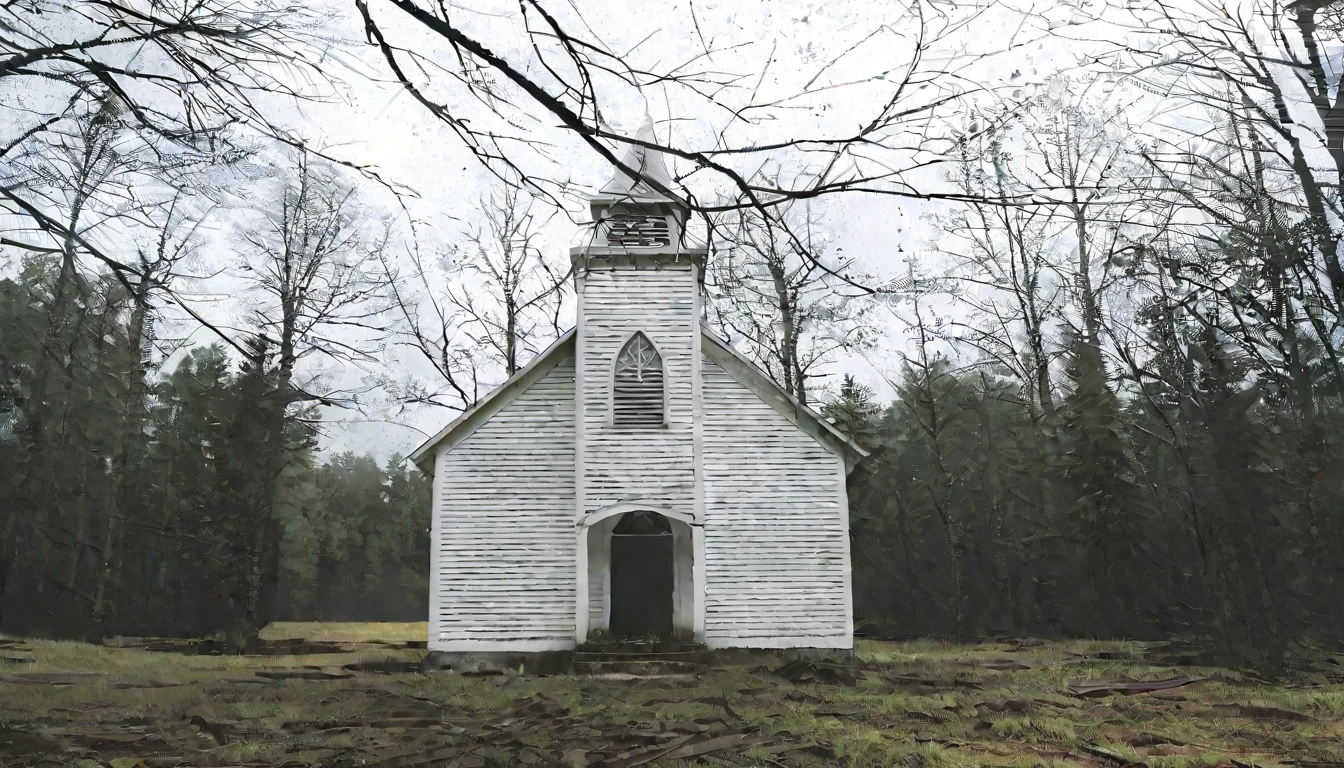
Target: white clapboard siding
504, 548
624, 463
776, 560
599, 559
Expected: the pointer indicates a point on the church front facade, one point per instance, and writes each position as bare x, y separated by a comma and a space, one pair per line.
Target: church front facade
639, 477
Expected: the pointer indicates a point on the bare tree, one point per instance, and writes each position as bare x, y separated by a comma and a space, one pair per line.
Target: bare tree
566, 71
493, 301
312, 296
508, 291
1261, 71
432, 330
1006, 262
191, 80
308, 272
1083, 158
792, 312
1254, 166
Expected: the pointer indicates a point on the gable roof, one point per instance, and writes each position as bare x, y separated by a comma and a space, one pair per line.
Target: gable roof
735, 363
488, 406
749, 375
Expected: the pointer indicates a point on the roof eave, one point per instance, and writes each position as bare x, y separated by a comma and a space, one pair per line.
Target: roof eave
610, 197
636, 251
851, 452
423, 456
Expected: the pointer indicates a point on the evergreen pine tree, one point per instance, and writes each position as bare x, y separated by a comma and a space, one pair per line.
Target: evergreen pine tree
854, 412
1106, 514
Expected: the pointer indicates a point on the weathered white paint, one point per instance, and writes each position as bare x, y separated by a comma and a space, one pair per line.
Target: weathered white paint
597, 555
776, 540
684, 604
802, 417
435, 533
697, 583
620, 508
503, 543
762, 559
599, 572
622, 468
530, 483
581, 581
628, 463
464, 425
842, 501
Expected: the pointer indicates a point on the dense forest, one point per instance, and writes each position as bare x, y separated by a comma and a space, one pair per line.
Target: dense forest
143, 525
1103, 300
1200, 508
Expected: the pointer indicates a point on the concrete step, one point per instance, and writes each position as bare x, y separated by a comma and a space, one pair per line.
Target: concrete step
634, 652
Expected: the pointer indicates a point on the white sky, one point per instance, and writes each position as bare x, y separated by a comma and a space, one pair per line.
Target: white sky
384, 127
848, 52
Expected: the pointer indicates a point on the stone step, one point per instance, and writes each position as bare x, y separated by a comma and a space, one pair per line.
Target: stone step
692, 657
642, 647
643, 667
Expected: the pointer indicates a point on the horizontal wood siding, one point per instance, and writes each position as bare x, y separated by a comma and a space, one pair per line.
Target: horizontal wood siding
776, 560
505, 548
653, 463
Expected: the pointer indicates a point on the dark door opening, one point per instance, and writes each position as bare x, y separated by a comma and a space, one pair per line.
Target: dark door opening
641, 576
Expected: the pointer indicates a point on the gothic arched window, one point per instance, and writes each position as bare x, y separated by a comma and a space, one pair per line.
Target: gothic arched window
637, 393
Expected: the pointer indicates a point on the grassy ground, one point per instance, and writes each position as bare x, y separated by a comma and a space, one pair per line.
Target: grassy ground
346, 631
918, 704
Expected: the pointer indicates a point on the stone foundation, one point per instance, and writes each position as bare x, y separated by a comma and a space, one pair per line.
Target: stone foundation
562, 662
495, 663
781, 655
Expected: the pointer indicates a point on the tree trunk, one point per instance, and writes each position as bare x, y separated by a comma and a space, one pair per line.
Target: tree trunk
1090, 308
793, 375
132, 429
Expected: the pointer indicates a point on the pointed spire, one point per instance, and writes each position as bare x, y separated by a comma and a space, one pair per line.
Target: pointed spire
649, 163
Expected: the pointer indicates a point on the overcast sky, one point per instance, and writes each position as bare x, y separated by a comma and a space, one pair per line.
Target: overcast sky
809, 69
848, 50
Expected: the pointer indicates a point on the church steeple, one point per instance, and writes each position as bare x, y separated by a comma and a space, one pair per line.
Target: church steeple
630, 214
649, 163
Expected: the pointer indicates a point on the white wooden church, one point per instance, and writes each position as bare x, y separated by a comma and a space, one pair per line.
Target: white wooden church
639, 477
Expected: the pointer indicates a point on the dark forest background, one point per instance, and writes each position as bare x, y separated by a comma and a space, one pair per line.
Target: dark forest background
1118, 410
139, 512
1201, 505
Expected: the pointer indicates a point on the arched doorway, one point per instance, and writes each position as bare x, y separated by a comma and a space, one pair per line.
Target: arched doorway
643, 576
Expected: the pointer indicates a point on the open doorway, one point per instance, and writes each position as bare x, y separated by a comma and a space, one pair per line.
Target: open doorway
642, 576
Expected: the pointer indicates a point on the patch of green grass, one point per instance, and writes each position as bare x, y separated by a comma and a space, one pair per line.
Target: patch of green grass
1012, 727
863, 747
917, 707
1330, 703
347, 632
1123, 749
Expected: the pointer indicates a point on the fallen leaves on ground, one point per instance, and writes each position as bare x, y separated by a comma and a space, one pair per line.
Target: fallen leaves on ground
921, 704
1127, 687
803, 671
